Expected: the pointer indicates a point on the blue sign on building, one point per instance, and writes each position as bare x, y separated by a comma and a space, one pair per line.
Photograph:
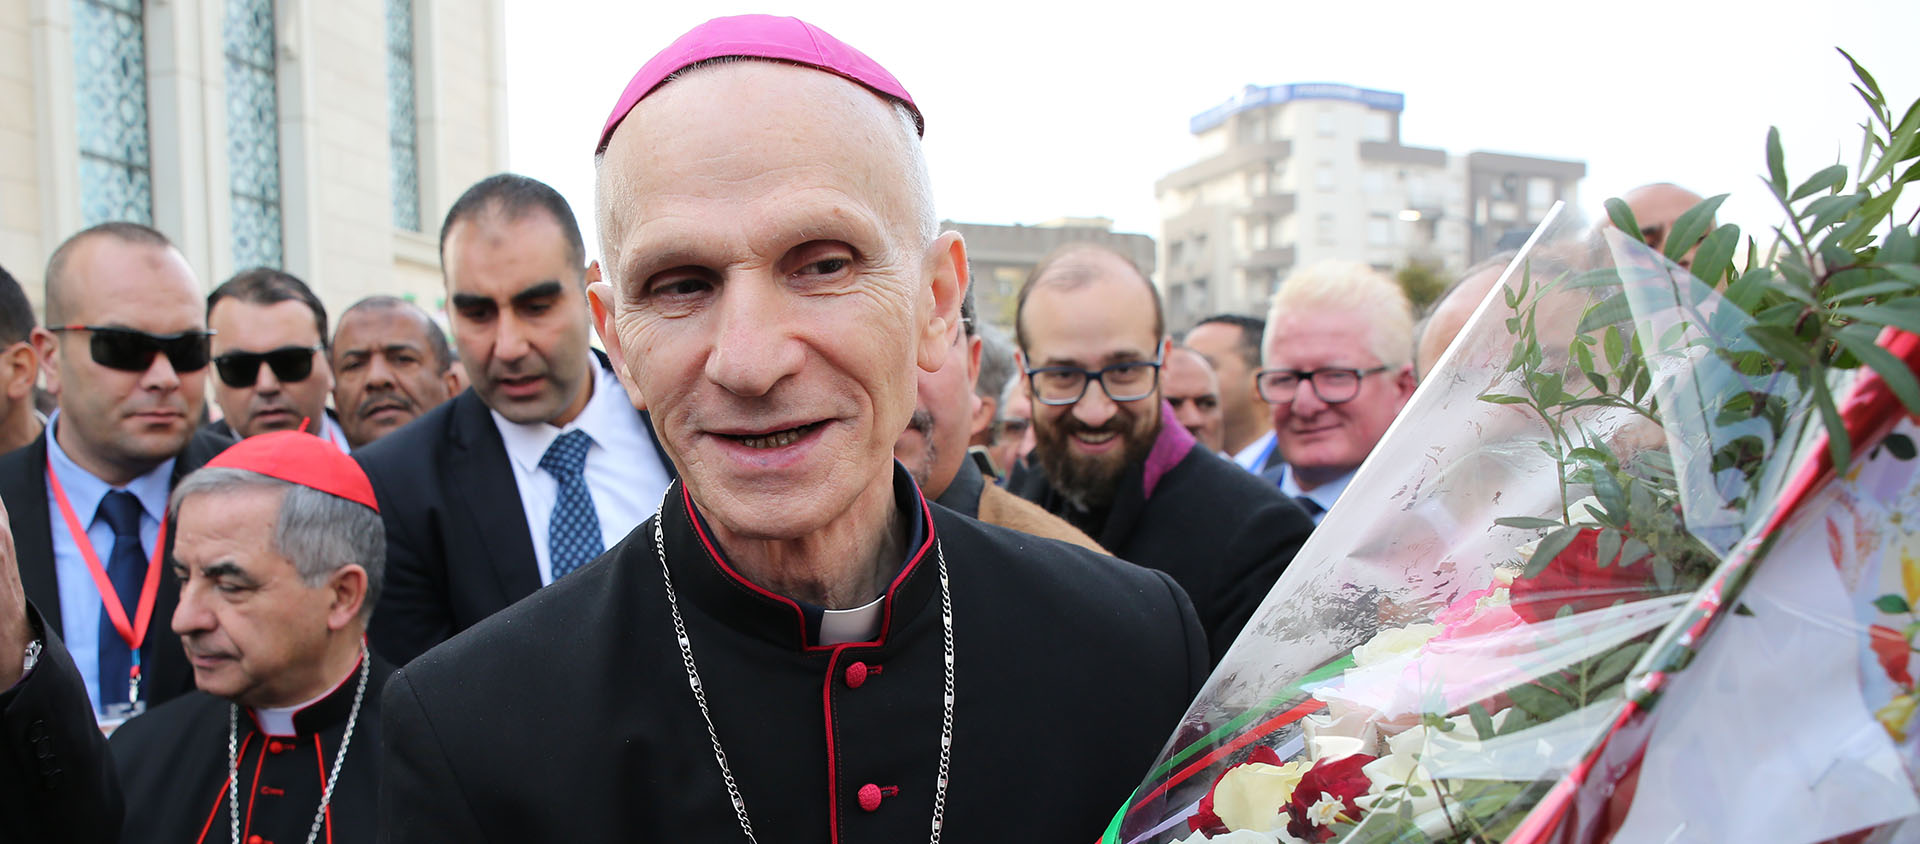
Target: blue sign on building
1257, 96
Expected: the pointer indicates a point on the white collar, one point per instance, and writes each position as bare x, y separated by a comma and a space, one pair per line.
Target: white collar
606, 410
1254, 454
859, 624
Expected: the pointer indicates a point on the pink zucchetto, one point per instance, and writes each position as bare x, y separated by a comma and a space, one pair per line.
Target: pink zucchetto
762, 37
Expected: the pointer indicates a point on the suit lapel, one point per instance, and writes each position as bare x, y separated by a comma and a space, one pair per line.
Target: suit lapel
483, 479
25, 486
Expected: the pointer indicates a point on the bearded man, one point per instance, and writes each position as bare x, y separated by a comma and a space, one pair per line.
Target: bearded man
858, 665
1113, 459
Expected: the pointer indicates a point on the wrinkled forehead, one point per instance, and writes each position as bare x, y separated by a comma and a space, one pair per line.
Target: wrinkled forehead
769, 143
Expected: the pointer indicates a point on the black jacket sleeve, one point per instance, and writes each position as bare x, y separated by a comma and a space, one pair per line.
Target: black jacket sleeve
57, 781
421, 798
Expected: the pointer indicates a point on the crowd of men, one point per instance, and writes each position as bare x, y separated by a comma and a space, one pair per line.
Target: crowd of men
808, 547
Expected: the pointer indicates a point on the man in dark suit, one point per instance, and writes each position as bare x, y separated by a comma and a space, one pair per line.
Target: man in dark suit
1114, 461
797, 642
538, 467
126, 349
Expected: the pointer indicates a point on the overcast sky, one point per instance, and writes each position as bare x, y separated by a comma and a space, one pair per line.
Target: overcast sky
1038, 110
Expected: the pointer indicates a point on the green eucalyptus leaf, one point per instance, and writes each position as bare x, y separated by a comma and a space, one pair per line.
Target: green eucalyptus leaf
1499, 398
1691, 226
1878, 288
1903, 314
1550, 547
1622, 218
1613, 667
1607, 549
1839, 445
1892, 370
1902, 144
1527, 522
1779, 341
1482, 722
1745, 292
1827, 179
1864, 76
1828, 210
1611, 345
1776, 169
1716, 252
1611, 310
1899, 247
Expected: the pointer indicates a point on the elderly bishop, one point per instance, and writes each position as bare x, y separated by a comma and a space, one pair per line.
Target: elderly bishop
797, 647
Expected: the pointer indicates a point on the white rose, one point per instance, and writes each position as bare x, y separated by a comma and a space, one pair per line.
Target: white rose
1393, 642
1249, 795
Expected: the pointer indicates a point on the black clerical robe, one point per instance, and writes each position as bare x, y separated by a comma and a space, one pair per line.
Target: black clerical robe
173, 770
569, 716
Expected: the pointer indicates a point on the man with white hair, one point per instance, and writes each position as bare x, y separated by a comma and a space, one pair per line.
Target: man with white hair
1338, 368
797, 642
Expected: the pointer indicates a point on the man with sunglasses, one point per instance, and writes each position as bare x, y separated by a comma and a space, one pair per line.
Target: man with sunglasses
269, 351
1113, 460
127, 351
1338, 355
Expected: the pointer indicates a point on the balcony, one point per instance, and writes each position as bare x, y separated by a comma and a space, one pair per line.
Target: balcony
1276, 258
1273, 205
1233, 160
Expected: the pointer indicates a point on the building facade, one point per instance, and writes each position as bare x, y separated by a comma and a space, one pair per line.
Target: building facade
1290, 175
1001, 257
322, 137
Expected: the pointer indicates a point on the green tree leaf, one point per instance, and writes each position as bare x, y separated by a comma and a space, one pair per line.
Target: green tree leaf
1903, 314
1527, 522
1716, 253
1622, 218
1839, 444
1892, 370
1550, 547
1776, 168
1825, 180
1828, 210
1688, 229
1892, 605
1865, 77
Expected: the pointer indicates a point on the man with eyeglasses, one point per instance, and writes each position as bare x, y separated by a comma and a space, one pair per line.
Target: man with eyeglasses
1113, 460
127, 352
1338, 358
269, 351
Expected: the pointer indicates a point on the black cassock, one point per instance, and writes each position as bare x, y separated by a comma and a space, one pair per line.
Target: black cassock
173, 770
568, 716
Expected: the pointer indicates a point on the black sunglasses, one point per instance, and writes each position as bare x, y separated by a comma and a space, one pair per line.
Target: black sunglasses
132, 351
289, 363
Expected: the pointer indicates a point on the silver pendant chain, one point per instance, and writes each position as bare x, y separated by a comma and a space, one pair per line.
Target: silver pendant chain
326, 794
700, 694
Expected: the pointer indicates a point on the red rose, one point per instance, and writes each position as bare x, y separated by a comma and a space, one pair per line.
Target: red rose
1576, 579
1339, 778
1204, 820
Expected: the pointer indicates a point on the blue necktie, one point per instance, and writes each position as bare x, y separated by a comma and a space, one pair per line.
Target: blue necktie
127, 569
573, 534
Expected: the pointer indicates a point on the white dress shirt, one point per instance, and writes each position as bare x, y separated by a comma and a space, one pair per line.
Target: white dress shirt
1254, 457
623, 472
80, 601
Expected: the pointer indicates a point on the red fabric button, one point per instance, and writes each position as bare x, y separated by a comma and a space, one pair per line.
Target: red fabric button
254, 839
869, 795
856, 676
273, 747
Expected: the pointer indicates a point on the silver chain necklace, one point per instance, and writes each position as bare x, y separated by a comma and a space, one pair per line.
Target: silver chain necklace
326, 794
700, 693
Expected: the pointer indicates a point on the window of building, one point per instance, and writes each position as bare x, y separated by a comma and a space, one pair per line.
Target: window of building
402, 129
1379, 230
1539, 193
1324, 176
253, 134
1378, 127
110, 93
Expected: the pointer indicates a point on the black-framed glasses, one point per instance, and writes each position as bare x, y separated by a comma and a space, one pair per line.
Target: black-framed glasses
1062, 385
129, 350
1331, 385
289, 364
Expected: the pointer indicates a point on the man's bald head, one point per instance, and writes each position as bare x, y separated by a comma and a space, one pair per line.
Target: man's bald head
58, 305
1075, 265
898, 143
1656, 207
1455, 307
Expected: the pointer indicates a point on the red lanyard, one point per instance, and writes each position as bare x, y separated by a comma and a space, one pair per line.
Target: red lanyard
134, 633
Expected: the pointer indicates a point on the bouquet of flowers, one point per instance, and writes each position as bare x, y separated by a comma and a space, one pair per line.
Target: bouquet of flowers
1645, 568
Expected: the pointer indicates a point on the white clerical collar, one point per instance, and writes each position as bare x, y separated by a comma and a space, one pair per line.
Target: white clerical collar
860, 624
607, 408
278, 720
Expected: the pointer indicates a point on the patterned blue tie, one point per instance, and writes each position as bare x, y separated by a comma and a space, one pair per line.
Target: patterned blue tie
127, 569
573, 533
